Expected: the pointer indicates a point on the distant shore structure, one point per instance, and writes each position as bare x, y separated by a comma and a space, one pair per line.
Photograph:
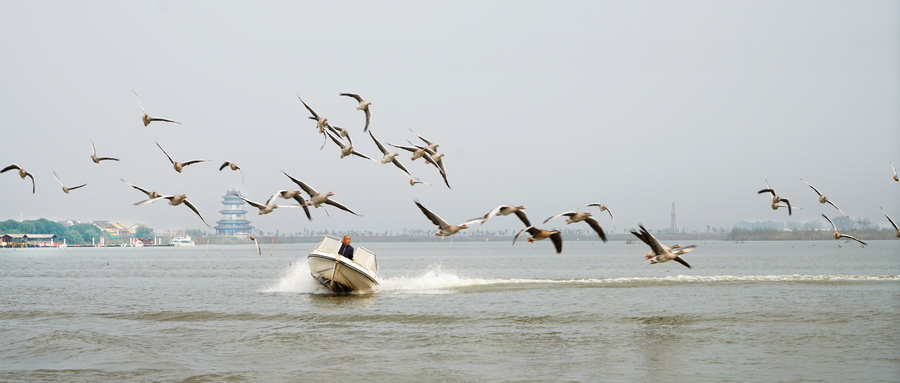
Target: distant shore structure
234, 217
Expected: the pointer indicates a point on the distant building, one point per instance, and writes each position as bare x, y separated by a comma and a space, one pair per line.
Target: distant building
234, 217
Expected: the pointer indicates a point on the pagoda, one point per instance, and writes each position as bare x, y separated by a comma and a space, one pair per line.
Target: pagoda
234, 221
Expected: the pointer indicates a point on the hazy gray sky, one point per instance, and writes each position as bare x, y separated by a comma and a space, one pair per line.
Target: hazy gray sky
550, 105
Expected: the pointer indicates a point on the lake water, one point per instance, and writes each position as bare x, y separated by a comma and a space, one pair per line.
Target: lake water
455, 312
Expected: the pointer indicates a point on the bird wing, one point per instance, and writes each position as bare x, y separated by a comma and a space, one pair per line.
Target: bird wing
435, 219
830, 202
397, 163
409, 148
194, 208
853, 238
164, 120
57, 180
829, 221
813, 187
557, 241
422, 138
258, 250
889, 219
650, 240
568, 214
596, 226
93, 149
145, 191
192, 162
107, 158
358, 154
271, 199
224, 165
378, 144
492, 213
32, 181
339, 206
77, 187
522, 231
304, 204
313, 112
152, 200
354, 95
139, 101
368, 117
767, 191
521, 214
302, 185
682, 261
167, 154
10, 167
252, 203
788, 203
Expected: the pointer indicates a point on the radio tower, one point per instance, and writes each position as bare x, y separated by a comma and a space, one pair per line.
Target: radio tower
673, 228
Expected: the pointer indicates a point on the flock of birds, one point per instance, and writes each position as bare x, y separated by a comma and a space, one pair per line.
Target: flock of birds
777, 201
428, 152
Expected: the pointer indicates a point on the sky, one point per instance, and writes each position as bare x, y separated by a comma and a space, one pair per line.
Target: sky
550, 105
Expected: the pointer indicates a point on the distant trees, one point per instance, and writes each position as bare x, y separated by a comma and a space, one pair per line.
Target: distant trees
143, 232
83, 233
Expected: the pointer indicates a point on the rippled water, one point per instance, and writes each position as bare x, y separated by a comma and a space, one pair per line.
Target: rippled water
487, 311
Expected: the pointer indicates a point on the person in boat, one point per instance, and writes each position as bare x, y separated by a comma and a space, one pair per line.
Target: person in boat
346, 250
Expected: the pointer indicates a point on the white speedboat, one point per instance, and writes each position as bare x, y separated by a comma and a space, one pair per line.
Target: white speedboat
340, 274
182, 241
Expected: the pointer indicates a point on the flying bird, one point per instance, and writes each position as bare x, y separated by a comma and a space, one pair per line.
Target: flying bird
321, 122
296, 196
892, 222
179, 166
316, 199
363, 106
775, 198
98, 159
232, 166
390, 157
519, 211
661, 253
175, 200
896, 178
147, 119
258, 250
431, 146
838, 235
342, 133
346, 150
446, 229
270, 205
824, 199
150, 194
603, 208
22, 173
64, 188
423, 152
577, 216
539, 234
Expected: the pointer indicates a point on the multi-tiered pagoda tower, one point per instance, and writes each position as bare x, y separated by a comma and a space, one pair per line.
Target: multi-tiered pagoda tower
234, 220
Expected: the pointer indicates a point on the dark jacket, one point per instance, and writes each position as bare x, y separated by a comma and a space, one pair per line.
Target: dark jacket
346, 251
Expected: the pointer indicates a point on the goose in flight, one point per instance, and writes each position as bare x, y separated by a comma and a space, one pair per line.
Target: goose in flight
577, 216
296, 195
892, 222
150, 194
896, 178
22, 173
391, 157
316, 199
446, 229
179, 166
270, 205
363, 106
258, 250
838, 235
175, 200
346, 150
147, 119
342, 133
539, 234
661, 253
232, 166
321, 122
64, 188
603, 207
431, 146
775, 198
98, 159
519, 211
824, 199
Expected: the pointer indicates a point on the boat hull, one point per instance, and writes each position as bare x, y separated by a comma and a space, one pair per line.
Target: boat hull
341, 275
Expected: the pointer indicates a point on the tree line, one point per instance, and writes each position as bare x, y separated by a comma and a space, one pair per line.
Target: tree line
75, 234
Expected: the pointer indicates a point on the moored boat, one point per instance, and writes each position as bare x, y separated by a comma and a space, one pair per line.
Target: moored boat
340, 274
182, 241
